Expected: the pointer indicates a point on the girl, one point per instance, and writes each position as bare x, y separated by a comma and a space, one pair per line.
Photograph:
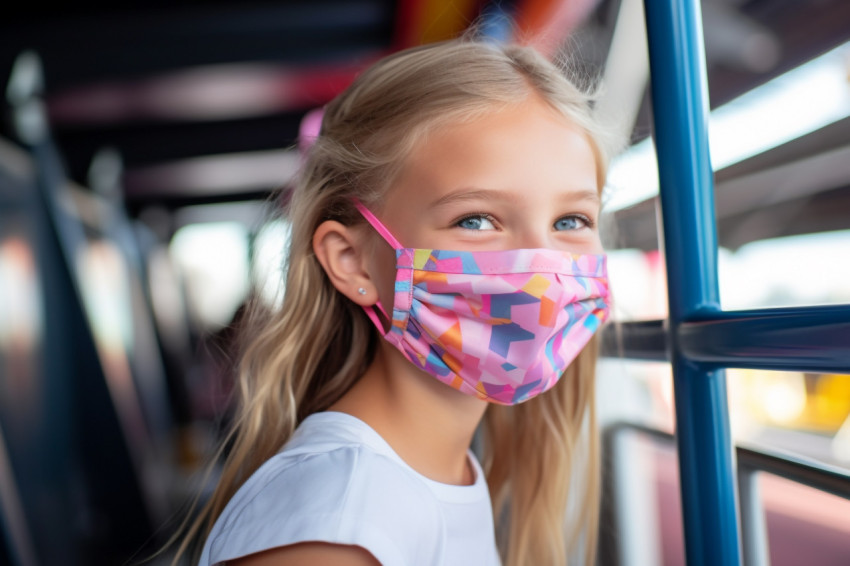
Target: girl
444, 268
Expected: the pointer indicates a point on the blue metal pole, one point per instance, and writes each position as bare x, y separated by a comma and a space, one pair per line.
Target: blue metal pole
680, 106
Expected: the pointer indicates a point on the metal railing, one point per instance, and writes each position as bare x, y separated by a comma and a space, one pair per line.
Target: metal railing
750, 462
700, 339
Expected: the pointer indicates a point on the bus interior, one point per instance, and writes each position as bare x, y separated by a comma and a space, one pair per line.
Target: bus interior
145, 153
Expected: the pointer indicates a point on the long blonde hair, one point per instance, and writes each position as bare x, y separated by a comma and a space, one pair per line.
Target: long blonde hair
303, 357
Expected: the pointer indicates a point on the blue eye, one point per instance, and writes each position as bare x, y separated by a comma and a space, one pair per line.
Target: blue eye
476, 222
573, 222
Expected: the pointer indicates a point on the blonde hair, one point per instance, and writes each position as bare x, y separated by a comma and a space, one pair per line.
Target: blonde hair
305, 356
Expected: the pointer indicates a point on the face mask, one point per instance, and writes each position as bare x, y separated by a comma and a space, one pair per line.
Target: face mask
500, 325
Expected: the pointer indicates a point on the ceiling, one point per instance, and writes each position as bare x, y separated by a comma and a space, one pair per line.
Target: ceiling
182, 87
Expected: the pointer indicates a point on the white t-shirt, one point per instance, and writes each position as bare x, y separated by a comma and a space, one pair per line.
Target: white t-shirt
338, 481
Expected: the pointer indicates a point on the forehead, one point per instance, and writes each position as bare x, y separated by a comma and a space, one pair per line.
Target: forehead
520, 146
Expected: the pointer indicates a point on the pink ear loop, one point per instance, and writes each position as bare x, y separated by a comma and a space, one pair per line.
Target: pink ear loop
393, 242
377, 225
370, 311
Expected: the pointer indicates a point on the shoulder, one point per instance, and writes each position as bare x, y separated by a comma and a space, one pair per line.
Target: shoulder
346, 495
308, 554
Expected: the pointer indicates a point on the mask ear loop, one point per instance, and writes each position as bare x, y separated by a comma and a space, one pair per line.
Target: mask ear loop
377, 225
393, 242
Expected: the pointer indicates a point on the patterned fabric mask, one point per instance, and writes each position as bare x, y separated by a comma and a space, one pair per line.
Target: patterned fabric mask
500, 325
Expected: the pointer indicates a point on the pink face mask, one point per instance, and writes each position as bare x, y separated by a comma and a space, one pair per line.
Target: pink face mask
500, 325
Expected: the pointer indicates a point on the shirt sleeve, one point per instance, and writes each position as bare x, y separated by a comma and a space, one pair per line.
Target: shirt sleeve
349, 496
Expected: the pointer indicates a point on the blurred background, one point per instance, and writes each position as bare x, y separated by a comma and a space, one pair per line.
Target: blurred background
145, 149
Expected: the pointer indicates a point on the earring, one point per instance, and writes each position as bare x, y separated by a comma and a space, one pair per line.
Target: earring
361, 290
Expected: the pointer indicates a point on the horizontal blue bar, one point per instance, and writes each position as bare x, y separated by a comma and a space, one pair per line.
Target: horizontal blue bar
808, 339
815, 339
637, 340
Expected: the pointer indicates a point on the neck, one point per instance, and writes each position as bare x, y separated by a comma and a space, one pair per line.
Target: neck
428, 424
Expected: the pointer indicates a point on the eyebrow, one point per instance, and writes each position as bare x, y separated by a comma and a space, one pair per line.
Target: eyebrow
472, 193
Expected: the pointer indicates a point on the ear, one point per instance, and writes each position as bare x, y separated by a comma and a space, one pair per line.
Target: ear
340, 251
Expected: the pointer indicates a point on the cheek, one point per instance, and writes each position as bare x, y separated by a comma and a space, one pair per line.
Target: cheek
592, 244
597, 245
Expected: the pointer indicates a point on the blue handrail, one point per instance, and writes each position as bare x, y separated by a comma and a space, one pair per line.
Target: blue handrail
680, 103
812, 339
807, 339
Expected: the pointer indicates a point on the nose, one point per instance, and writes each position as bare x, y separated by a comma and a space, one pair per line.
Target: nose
533, 237
543, 236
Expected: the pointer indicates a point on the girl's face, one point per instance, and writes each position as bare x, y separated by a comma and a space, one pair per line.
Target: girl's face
523, 177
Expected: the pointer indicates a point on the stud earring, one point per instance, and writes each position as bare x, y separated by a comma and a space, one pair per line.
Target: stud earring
361, 290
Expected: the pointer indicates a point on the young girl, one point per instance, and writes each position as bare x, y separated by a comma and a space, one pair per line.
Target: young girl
444, 268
